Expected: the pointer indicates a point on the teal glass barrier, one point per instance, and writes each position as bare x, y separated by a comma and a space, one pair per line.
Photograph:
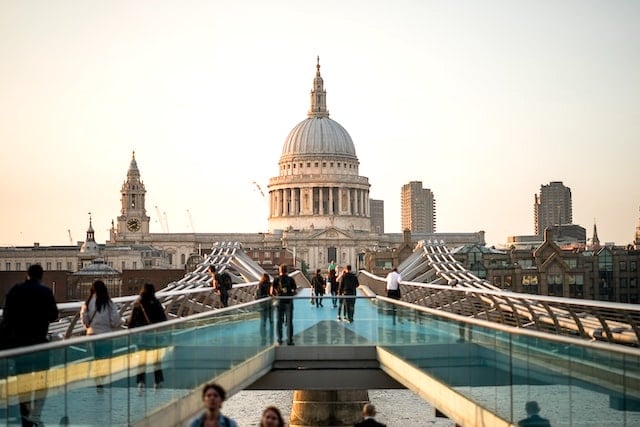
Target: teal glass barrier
94, 380
575, 383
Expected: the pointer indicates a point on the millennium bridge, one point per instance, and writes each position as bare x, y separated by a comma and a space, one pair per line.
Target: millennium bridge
475, 352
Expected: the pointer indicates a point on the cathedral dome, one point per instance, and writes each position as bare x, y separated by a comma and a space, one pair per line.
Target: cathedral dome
318, 136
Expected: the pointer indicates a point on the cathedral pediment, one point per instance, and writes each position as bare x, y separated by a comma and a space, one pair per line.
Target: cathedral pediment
331, 233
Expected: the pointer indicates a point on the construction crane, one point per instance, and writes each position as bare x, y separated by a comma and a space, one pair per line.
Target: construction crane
162, 219
193, 228
259, 188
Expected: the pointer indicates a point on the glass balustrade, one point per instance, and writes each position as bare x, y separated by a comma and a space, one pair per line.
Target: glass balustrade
94, 380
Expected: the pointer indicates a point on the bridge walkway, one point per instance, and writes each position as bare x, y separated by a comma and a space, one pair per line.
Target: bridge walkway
476, 372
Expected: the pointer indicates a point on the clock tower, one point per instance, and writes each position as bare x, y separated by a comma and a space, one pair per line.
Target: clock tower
133, 222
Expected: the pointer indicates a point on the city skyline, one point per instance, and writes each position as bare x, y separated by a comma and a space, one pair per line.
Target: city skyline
482, 103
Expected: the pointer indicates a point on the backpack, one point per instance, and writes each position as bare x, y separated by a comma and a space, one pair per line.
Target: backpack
225, 281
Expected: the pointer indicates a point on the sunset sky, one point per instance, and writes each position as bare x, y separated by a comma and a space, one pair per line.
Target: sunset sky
482, 101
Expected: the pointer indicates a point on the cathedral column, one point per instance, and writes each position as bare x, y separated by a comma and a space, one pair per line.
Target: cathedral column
285, 201
321, 201
294, 202
331, 201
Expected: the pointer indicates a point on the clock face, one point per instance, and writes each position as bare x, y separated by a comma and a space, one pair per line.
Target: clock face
133, 224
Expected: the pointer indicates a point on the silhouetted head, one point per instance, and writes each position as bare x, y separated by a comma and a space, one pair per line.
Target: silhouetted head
531, 407
148, 290
368, 410
35, 272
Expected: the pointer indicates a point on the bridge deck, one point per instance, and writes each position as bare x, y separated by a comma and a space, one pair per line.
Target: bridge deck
487, 369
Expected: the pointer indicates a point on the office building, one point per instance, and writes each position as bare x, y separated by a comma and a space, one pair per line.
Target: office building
552, 207
418, 207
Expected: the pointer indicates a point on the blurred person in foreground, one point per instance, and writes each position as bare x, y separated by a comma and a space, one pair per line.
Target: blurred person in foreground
212, 397
533, 419
368, 415
29, 308
271, 417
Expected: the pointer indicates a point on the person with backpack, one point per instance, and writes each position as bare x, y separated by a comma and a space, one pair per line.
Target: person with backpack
146, 311
222, 284
285, 287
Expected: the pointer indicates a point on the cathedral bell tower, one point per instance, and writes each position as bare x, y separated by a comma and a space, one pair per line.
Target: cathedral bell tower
133, 222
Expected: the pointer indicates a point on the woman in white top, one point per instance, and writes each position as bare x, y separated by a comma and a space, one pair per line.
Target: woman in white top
99, 314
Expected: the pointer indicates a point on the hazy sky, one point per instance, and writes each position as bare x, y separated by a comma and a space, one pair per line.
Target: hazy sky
482, 101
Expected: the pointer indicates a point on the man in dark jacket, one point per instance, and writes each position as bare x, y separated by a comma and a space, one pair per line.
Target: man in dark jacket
285, 286
29, 308
348, 284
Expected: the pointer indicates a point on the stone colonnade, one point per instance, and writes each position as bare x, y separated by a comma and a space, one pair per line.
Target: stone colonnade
319, 201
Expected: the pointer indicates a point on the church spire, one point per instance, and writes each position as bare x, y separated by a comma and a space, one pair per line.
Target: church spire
595, 241
318, 96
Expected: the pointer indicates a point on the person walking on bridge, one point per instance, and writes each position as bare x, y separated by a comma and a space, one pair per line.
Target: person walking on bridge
318, 284
393, 284
286, 287
348, 284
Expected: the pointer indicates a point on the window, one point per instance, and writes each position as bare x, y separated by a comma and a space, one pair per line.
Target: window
497, 280
331, 164
18, 266
571, 262
554, 279
507, 281
59, 265
526, 263
623, 282
7, 266
69, 266
633, 266
576, 285
633, 282
622, 266
308, 164
135, 265
123, 265
316, 164
267, 255
48, 266
324, 164
529, 279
